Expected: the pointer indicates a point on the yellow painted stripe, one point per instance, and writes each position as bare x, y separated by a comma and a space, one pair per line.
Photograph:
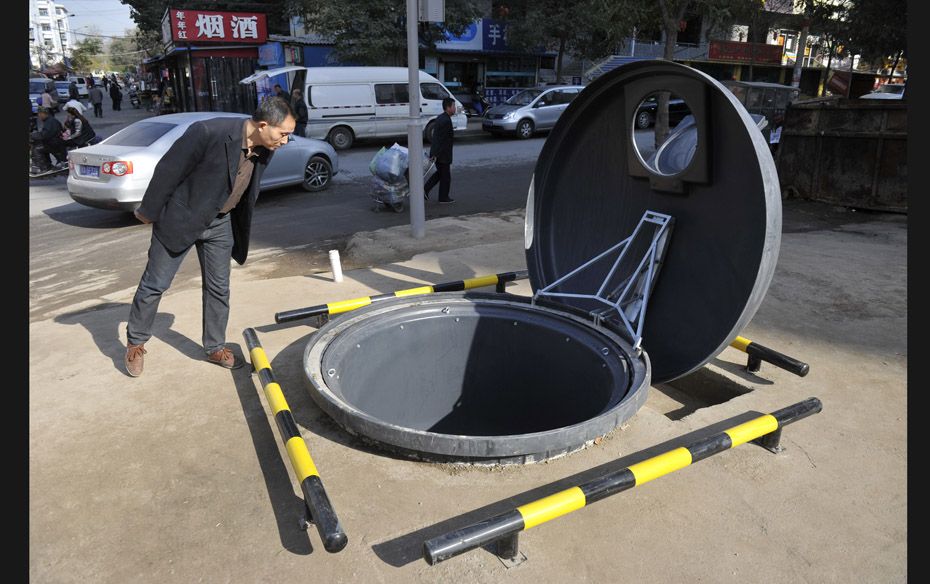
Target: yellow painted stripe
414, 291
480, 282
259, 360
347, 305
663, 464
740, 343
752, 429
551, 507
300, 458
275, 398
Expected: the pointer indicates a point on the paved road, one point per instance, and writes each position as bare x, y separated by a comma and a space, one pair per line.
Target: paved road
80, 254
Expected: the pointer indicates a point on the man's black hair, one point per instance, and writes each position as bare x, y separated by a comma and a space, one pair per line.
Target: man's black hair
446, 102
273, 110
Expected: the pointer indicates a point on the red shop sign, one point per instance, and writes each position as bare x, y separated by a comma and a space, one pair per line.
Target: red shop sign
744, 52
203, 26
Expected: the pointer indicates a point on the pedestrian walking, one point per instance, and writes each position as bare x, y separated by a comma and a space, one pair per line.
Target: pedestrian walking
96, 99
115, 95
197, 198
73, 92
300, 110
440, 151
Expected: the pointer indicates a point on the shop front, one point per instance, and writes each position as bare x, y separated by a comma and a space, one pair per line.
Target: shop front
206, 54
480, 60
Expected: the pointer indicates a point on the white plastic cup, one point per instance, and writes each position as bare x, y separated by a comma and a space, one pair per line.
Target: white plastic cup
335, 265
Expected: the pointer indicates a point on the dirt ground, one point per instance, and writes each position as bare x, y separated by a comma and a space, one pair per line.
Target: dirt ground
181, 476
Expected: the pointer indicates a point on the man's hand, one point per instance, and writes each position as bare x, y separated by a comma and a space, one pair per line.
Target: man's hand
141, 217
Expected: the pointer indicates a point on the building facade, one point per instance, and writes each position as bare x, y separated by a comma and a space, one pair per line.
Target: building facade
50, 38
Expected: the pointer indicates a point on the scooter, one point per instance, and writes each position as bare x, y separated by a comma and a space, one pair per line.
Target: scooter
134, 97
57, 168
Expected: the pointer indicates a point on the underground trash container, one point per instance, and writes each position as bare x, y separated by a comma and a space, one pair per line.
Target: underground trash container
500, 378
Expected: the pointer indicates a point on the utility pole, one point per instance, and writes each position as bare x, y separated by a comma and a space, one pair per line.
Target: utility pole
414, 133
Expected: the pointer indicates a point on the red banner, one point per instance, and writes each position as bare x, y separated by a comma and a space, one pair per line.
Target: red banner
201, 26
744, 52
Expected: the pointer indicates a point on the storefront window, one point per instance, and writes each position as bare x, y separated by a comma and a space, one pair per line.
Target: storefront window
511, 72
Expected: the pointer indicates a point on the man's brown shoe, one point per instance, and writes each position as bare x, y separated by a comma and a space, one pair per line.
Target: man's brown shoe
225, 358
134, 359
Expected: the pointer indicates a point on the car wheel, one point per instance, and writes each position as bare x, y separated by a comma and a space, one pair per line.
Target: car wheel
643, 120
428, 132
397, 207
317, 174
525, 129
341, 138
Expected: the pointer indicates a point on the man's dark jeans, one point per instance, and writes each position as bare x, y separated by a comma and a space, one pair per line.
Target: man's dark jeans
443, 176
214, 250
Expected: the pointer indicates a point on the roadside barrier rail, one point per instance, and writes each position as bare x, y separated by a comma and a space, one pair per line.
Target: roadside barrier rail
503, 529
319, 508
758, 353
325, 310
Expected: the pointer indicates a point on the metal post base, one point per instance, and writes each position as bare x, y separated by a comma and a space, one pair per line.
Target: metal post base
753, 364
771, 441
321, 319
507, 550
306, 520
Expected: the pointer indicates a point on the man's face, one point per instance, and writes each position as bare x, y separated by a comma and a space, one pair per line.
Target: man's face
451, 109
273, 137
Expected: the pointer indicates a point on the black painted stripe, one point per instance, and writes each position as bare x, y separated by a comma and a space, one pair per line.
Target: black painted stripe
450, 286
265, 376
474, 536
324, 517
607, 485
384, 296
287, 426
797, 411
709, 446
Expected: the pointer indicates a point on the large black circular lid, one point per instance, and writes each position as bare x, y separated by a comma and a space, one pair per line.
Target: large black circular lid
591, 187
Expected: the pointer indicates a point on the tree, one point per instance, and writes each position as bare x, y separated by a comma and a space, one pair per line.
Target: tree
877, 28
373, 32
584, 29
86, 55
124, 54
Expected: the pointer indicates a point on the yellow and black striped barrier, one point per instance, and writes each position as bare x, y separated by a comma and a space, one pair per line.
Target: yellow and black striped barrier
320, 509
504, 529
758, 353
326, 310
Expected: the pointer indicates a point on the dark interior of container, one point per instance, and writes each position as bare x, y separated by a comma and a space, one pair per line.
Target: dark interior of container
476, 370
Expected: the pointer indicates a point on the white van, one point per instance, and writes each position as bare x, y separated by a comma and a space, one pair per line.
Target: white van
345, 103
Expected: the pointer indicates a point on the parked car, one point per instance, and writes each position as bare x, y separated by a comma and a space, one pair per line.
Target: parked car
886, 91
62, 88
81, 83
529, 111
646, 113
115, 173
37, 86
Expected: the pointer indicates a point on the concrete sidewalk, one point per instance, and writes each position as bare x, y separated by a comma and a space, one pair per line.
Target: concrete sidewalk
180, 475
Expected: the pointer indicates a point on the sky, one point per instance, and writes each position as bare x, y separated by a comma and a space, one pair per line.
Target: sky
109, 17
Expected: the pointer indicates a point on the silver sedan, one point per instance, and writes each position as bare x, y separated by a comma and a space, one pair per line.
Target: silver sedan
115, 173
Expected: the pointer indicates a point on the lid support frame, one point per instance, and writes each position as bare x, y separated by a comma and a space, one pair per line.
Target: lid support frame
629, 299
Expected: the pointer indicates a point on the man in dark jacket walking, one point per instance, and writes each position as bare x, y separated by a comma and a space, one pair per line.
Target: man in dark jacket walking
116, 95
202, 194
441, 152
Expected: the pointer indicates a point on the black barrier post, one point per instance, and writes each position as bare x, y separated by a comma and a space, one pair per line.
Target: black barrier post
318, 507
503, 529
758, 353
324, 311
